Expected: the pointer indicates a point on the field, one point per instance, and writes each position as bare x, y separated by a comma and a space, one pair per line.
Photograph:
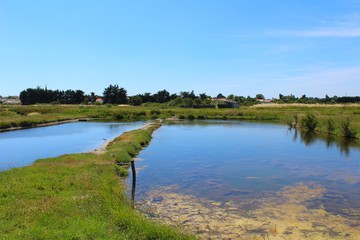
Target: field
339, 120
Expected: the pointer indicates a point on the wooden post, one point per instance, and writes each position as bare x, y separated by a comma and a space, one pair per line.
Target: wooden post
133, 170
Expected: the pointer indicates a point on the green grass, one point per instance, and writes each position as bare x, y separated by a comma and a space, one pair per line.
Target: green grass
77, 196
340, 115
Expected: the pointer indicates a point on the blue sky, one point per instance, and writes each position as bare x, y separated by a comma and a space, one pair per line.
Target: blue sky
232, 46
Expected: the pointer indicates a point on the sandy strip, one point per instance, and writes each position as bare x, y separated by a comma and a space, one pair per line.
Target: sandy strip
102, 148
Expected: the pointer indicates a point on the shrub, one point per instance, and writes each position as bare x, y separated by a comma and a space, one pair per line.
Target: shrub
4, 125
138, 115
155, 112
25, 123
296, 119
346, 129
330, 125
119, 117
309, 122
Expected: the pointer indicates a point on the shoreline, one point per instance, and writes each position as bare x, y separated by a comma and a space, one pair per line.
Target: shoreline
102, 149
75, 194
45, 124
344, 120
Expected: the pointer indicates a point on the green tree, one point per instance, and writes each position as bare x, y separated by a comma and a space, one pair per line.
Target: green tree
162, 96
40, 95
259, 96
220, 96
231, 96
203, 96
188, 94
136, 100
115, 95
188, 102
92, 97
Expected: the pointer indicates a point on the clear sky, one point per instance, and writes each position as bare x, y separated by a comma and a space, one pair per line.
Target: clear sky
242, 47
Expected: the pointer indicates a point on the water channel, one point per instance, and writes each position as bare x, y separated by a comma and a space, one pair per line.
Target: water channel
22, 147
241, 180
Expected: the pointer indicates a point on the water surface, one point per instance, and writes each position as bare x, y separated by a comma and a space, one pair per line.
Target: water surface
23, 147
254, 174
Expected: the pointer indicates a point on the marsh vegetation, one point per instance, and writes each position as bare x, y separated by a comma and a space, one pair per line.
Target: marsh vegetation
77, 196
339, 120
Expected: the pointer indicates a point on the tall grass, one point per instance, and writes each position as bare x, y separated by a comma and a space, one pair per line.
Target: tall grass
346, 129
330, 126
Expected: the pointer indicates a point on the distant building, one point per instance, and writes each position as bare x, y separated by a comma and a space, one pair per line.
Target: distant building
226, 103
99, 100
10, 100
264, 101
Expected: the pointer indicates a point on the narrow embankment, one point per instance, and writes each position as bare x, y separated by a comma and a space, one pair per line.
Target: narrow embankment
78, 196
36, 125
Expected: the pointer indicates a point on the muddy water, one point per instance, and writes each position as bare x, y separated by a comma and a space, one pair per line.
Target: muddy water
238, 180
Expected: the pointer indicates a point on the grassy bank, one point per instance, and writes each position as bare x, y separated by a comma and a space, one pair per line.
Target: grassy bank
77, 196
331, 119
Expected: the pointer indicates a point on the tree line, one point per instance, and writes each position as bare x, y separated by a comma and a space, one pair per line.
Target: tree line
312, 100
43, 95
113, 94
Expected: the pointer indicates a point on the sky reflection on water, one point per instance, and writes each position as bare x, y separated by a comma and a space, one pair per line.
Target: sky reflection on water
231, 161
23, 147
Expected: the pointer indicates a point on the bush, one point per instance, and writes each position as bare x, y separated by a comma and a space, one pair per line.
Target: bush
138, 115
4, 125
309, 122
330, 125
346, 129
119, 117
155, 112
26, 123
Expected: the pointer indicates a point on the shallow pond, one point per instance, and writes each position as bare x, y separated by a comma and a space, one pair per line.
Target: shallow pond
241, 180
23, 147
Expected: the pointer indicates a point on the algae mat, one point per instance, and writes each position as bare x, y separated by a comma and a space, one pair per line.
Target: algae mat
286, 214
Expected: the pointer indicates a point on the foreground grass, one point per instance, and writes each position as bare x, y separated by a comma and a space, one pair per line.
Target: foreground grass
331, 119
77, 196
